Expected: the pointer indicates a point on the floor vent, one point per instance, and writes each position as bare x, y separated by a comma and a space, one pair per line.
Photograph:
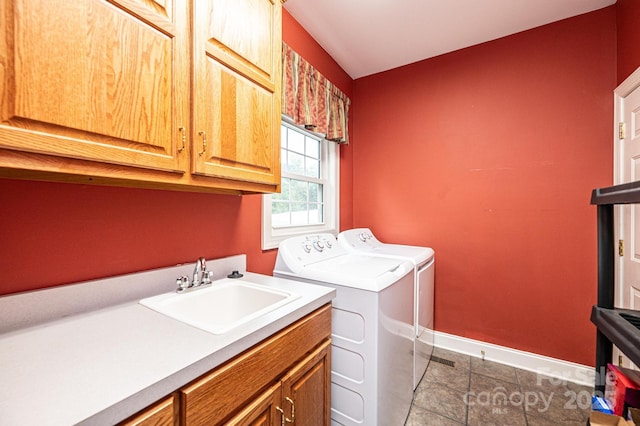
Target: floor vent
443, 361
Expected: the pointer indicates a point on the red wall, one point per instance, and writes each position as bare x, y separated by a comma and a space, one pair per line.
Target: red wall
628, 20
53, 233
489, 155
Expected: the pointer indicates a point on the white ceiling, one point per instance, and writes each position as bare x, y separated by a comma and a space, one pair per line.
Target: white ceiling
369, 36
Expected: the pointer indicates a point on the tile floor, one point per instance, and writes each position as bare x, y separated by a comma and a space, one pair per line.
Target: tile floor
477, 392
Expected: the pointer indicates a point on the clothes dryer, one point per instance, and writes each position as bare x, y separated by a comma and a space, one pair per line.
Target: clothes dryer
362, 240
372, 329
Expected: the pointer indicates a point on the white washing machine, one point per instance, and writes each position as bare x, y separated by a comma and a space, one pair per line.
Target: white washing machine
372, 327
362, 240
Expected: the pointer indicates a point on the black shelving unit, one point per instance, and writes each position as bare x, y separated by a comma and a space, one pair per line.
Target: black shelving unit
615, 326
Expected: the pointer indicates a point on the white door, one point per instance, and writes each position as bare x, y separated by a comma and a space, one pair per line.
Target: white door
627, 169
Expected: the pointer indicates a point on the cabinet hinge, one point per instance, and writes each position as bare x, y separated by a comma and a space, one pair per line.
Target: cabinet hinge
621, 130
620, 247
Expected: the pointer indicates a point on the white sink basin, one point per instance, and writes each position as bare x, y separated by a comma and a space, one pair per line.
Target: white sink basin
223, 305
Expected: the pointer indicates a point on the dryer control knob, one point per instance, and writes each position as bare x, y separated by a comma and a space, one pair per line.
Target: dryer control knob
307, 246
319, 245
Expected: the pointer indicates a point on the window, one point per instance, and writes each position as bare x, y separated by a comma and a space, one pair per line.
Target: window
308, 201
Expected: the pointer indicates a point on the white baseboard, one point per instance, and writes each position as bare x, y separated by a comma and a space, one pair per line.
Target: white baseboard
557, 368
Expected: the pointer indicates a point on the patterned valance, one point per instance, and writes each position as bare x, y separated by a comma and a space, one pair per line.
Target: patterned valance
311, 100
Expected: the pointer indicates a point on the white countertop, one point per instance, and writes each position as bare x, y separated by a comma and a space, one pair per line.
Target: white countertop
100, 367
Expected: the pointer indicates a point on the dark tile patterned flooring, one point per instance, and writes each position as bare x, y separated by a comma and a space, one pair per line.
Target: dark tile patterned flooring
480, 392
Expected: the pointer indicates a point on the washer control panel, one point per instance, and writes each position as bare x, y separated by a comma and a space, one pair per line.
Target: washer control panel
307, 249
318, 243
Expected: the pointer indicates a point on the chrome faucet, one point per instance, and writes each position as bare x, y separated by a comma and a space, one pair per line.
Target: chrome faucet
199, 272
201, 277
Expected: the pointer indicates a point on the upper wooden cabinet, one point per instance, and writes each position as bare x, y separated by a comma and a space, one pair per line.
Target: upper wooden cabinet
170, 94
236, 89
96, 81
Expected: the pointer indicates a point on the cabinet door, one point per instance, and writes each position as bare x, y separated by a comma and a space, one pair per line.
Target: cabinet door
95, 80
237, 89
263, 411
308, 388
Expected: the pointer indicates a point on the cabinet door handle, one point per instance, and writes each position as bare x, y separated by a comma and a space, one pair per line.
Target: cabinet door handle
204, 141
182, 130
293, 410
284, 418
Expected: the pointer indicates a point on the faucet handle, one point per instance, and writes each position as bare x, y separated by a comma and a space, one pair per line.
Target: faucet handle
182, 283
207, 277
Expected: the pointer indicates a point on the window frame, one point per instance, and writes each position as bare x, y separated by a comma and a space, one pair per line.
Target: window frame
330, 167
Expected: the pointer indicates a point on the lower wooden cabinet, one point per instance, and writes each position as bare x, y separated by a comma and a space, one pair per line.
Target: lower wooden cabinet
264, 410
284, 380
301, 397
163, 413
306, 389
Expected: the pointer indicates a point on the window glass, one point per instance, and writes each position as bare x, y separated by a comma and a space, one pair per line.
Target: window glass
308, 201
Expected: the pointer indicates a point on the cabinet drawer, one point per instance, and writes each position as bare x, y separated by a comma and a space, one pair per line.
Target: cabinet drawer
161, 414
